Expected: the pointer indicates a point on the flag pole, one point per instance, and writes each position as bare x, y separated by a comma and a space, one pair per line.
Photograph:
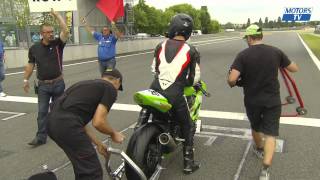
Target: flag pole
89, 12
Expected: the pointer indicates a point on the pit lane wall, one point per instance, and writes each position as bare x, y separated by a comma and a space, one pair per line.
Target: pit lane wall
16, 58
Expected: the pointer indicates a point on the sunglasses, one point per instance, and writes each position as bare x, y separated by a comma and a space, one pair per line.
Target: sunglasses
48, 32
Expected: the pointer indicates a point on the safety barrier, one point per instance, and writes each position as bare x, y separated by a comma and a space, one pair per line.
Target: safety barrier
19, 57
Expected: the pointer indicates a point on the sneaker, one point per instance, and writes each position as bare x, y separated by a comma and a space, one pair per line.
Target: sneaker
264, 174
35, 142
2, 94
258, 152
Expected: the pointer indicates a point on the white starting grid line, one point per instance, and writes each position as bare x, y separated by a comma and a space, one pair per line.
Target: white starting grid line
299, 121
241, 133
212, 136
13, 115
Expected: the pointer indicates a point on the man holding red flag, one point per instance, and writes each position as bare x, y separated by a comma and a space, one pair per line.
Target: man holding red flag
113, 9
106, 45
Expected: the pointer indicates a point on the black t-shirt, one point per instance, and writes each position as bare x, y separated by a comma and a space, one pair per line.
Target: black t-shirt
48, 59
259, 65
84, 97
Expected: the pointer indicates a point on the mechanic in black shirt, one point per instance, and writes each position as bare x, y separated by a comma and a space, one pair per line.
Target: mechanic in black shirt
256, 70
176, 64
68, 122
47, 56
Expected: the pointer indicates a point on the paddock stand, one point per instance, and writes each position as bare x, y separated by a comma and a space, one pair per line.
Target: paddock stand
300, 110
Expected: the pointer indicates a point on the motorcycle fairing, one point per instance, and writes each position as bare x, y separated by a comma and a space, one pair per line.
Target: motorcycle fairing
153, 99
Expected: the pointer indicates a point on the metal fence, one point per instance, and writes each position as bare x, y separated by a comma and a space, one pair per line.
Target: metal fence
14, 38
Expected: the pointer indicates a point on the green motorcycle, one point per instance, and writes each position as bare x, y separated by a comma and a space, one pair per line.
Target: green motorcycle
156, 134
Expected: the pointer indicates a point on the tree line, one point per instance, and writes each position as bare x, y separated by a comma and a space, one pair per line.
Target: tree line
147, 19
266, 23
150, 20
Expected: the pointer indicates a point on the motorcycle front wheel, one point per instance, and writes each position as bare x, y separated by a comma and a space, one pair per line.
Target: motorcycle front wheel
145, 150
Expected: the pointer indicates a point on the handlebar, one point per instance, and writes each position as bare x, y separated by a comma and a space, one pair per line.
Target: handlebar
204, 92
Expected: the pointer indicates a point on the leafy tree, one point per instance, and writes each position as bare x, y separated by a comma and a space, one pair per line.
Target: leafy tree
266, 22
313, 23
205, 21
46, 18
140, 19
214, 27
279, 22
188, 9
248, 22
24, 17
154, 21
22, 13
229, 25
260, 23
271, 24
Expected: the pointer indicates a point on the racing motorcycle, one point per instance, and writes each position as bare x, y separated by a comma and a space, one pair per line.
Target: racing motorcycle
157, 134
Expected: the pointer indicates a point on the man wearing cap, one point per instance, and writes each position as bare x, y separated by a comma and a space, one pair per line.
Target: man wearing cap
68, 122
256, 70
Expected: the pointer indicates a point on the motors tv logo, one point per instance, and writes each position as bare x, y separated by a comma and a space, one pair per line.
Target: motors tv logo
297, 14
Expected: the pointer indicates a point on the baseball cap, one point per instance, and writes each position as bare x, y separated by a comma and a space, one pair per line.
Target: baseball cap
114, 73
252, 30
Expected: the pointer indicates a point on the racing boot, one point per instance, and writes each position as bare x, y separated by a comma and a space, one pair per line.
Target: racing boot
143, 118
190, 165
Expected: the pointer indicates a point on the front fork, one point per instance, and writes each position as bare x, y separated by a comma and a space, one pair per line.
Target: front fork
194, 104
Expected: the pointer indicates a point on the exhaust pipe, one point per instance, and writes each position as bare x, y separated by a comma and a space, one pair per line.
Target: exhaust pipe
166, 139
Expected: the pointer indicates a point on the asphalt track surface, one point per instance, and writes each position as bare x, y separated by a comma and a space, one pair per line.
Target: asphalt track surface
223, 147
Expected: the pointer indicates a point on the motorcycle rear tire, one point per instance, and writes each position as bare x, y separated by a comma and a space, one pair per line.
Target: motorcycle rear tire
138, 149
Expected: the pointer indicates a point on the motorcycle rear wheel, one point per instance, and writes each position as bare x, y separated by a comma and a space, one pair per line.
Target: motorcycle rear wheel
145, 150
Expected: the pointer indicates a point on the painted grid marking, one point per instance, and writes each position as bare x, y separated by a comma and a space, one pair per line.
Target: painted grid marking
298, 121
13, 115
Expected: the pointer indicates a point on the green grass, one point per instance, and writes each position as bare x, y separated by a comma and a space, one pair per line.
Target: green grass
313, 41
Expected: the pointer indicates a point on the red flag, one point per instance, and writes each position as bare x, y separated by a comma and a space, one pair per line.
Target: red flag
120, 12
113, 9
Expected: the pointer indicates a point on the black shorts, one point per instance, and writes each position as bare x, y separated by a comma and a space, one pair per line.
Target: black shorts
264, 119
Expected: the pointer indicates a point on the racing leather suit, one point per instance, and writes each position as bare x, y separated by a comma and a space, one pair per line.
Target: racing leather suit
175, 66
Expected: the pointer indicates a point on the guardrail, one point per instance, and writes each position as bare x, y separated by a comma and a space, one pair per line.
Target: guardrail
17, 57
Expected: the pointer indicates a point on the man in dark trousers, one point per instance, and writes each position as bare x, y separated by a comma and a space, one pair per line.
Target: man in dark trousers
256, 70
2, 69
106, 44
68, 122
47, 56
176, 65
